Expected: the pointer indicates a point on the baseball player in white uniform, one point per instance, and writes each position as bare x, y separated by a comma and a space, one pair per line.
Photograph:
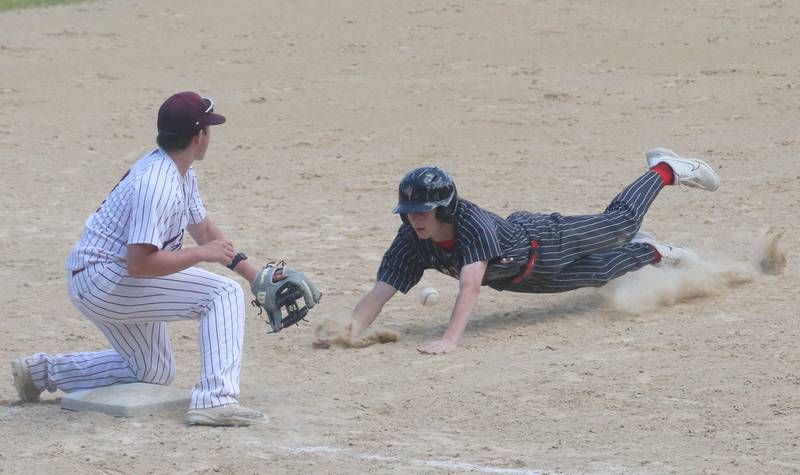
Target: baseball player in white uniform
129, 275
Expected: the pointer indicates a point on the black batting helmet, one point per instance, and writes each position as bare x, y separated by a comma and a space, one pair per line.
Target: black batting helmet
426, 189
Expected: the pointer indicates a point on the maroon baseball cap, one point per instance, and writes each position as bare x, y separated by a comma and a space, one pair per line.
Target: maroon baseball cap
185, 113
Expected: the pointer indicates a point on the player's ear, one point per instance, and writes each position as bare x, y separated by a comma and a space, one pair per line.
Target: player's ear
199, 135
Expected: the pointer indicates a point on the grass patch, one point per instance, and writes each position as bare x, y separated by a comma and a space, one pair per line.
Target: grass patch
6, 5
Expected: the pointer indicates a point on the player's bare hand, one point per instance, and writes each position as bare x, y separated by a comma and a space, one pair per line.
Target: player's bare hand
323, 342
331, 332
437, 347
328, 342
219, 251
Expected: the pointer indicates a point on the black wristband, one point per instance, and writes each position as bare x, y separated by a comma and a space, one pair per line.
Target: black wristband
239, 257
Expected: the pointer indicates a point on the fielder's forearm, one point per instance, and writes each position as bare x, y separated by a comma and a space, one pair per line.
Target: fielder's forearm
204, 232
160, 263
208, 231
246, 270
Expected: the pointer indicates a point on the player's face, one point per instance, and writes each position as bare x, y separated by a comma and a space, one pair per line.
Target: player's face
425, 223
202, 143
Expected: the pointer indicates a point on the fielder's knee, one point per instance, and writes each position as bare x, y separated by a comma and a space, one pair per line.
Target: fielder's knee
162, 374
236, 293
230, 287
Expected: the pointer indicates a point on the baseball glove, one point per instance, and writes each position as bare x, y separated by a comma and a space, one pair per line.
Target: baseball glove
280, 299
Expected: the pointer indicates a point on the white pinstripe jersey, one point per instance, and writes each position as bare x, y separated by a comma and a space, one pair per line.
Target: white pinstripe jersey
152, 204
480, 235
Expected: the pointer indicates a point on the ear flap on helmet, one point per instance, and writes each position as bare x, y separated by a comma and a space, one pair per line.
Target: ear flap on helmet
445, 214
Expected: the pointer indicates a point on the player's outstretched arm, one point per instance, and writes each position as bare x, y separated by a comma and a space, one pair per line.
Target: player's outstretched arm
365, 312
469, 287
368, 308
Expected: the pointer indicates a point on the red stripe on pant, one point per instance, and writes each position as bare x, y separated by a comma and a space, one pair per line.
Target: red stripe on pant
529, 266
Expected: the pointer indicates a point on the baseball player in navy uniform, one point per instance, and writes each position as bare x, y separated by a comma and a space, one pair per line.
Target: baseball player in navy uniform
525, 252
129, 275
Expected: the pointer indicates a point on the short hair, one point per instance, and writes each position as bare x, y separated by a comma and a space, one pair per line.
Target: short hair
174, 142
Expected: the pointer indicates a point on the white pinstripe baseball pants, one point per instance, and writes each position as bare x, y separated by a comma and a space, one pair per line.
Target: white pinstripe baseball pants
133, 314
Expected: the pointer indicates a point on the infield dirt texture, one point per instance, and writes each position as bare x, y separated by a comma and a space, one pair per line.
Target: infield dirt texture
540, 105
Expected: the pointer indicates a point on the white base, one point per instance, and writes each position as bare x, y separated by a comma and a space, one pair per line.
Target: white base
127, 400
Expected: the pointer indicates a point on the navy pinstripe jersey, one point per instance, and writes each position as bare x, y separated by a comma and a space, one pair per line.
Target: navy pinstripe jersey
152, 204
480, 235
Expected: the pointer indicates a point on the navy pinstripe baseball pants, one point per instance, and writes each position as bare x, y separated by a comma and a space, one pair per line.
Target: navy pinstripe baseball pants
591, 250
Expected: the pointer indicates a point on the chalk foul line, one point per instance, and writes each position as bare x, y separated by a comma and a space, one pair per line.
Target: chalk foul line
444, 464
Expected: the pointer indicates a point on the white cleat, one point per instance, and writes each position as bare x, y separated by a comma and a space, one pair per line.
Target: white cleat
687, 171
23, 382
231, 415
671, 254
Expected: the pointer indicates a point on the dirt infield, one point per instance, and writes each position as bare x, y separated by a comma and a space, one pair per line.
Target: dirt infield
543, 105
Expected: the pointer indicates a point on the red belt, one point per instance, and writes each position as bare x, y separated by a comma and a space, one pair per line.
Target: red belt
529, 266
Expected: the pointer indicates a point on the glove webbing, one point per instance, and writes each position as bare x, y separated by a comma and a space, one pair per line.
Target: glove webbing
289, 319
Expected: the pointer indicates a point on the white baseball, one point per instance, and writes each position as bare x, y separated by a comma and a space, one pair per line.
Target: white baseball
428, 297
